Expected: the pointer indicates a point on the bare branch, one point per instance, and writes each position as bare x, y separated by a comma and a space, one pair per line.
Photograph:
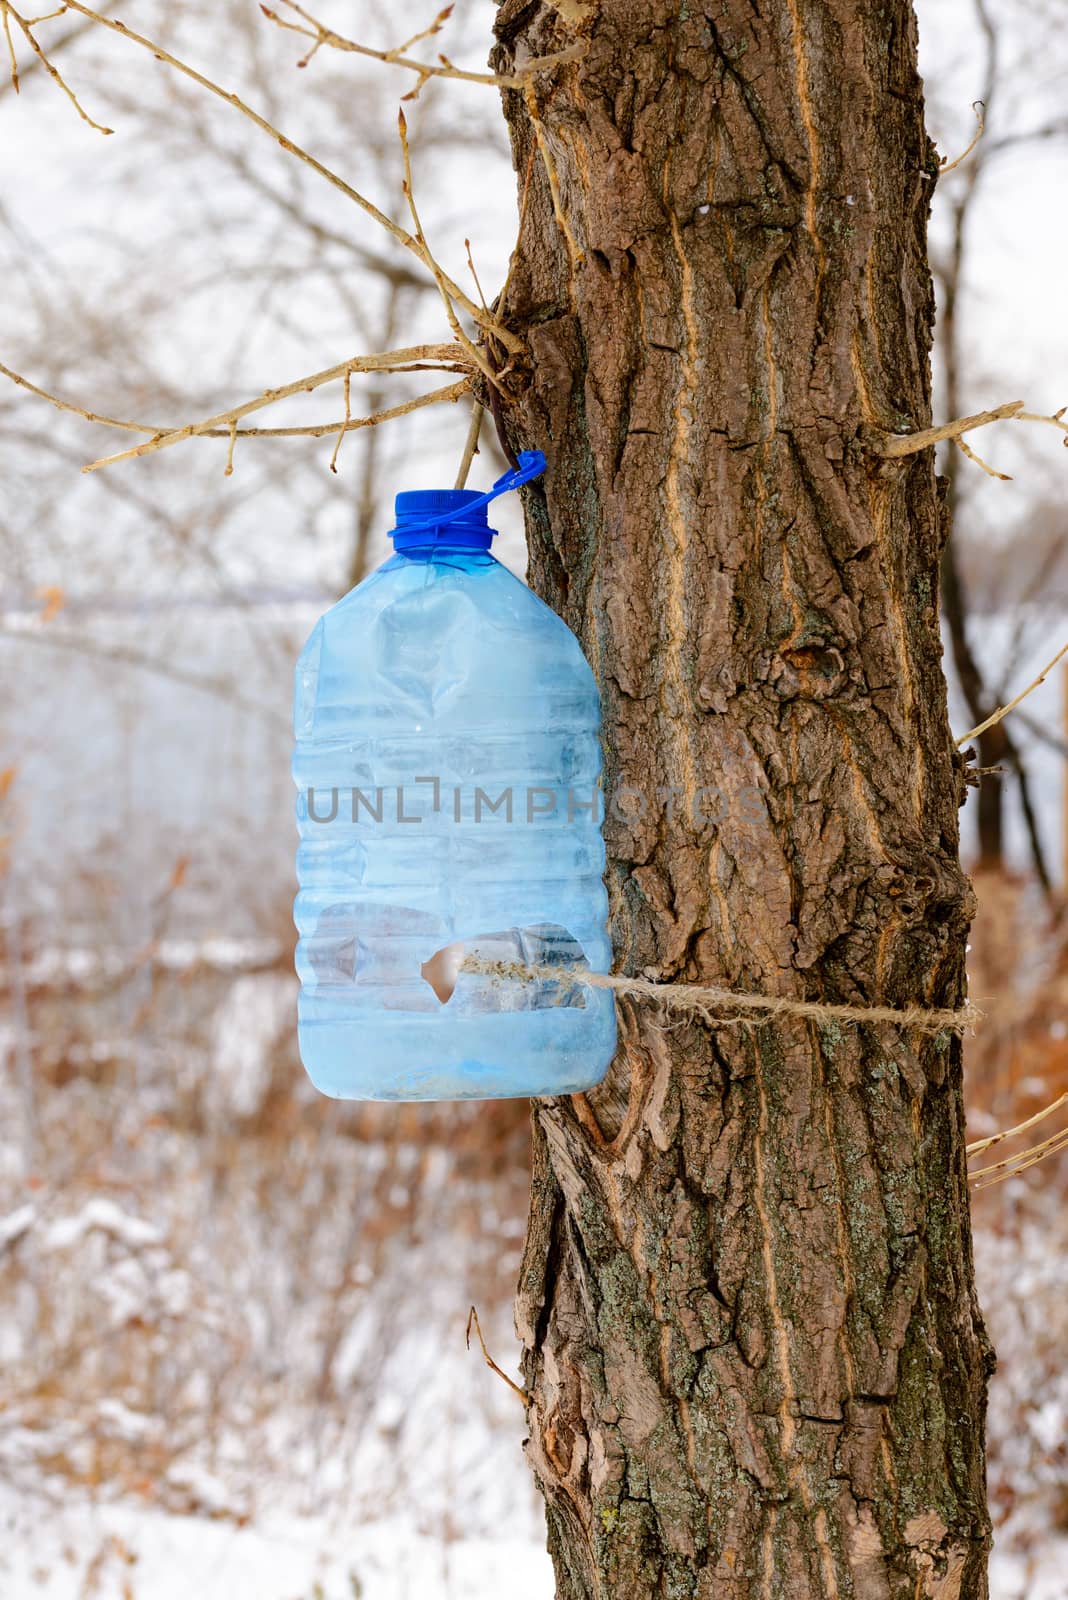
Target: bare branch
399, 272
78, 411
5, 12
1012, 1166
966, 450
474, 274
979, 109
443, 68
26, 28
470, 445
79, 28
341, 430
439, 277
979, 1146
442, 356
428, 32
1003, 711
1055, 420
893, 445
493, 324
473, 1322
317, 430
452, 391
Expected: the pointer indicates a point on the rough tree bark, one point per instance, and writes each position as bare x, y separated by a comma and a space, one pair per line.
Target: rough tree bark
752, 1347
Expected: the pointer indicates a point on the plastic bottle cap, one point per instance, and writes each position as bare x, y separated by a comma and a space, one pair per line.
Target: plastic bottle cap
463, 524
455, 519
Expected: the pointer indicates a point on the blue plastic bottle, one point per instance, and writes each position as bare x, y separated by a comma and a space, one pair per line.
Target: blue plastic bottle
447, 765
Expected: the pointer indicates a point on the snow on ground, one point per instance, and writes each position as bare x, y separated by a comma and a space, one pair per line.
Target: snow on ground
123, 1552
1042, 1575
74, 1549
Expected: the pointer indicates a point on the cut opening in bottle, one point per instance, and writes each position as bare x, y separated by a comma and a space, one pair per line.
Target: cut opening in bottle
443, 969
517, 953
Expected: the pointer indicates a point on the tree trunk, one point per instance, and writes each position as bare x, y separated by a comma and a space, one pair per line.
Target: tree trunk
755, 1361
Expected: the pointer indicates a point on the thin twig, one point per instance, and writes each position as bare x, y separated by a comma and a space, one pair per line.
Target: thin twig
506, 337
452, 391
979, 1146
470, 445
966, 450
392, 360
443, 68
78, 411
998, 1171
474, 274
229, 469
429, 31
1055, 420
323, 35
893, 445
61, 43
575, 255
948, 166
342, 430
317, 430
5, 12
439, 277
53, 72
472, 1321
1003, 711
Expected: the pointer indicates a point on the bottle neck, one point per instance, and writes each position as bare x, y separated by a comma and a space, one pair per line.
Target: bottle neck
451, 536
467, 557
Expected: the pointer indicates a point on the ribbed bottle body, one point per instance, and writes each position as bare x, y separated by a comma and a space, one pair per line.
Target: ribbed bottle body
447, 766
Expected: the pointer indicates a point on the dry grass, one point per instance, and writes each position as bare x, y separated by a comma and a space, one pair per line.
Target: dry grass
218, 1289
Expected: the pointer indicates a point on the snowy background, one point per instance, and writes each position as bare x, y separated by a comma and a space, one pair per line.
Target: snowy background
232, 1356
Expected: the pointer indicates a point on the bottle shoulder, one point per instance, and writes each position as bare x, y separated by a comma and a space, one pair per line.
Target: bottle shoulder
456, 590
453, 645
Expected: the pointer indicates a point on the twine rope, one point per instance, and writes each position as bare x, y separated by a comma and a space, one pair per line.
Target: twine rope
706, 999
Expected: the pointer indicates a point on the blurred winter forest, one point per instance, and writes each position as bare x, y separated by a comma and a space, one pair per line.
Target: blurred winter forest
232, 1355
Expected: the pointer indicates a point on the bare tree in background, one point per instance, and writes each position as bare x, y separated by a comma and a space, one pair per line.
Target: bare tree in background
998, 750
